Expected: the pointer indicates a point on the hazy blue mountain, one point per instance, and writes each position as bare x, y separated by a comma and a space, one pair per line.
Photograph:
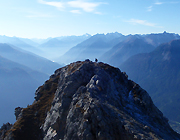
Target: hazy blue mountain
73, 38
17, 86
134, 44
157, 39
41, 40
29, 42
53, 48
54, 42
91, 48
28, 59
19, 43
50, 48
159, 73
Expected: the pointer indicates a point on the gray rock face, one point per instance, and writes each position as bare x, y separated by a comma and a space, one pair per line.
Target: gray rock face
18, 112
97, 101
4, 129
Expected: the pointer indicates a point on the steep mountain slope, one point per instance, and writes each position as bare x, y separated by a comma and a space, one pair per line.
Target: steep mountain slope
17, 84
91, 48
134, 44
159, 73
19, 43
86, 100
157, 39
28, 59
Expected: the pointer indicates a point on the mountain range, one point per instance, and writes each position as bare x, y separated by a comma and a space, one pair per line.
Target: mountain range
25, 44
50, 48
28, 59
122, 51
115, 48
91, 48
135, 44
55, 47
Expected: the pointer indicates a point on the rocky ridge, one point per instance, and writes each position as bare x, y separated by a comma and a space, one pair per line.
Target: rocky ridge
88, 100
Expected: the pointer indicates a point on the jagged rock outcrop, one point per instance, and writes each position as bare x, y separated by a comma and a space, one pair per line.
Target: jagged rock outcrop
88, 100
18, 112
4, 129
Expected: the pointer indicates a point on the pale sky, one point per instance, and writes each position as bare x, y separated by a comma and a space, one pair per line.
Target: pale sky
53, 18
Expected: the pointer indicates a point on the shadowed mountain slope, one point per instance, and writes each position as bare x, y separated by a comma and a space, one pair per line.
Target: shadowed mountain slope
23, 43
125, 49
159, 73
28, 59
135, 44
17, 85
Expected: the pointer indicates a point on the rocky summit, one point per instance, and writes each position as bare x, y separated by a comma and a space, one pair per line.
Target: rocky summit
88, 101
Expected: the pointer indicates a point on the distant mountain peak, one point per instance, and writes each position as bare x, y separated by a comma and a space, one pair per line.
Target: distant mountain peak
87, 34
